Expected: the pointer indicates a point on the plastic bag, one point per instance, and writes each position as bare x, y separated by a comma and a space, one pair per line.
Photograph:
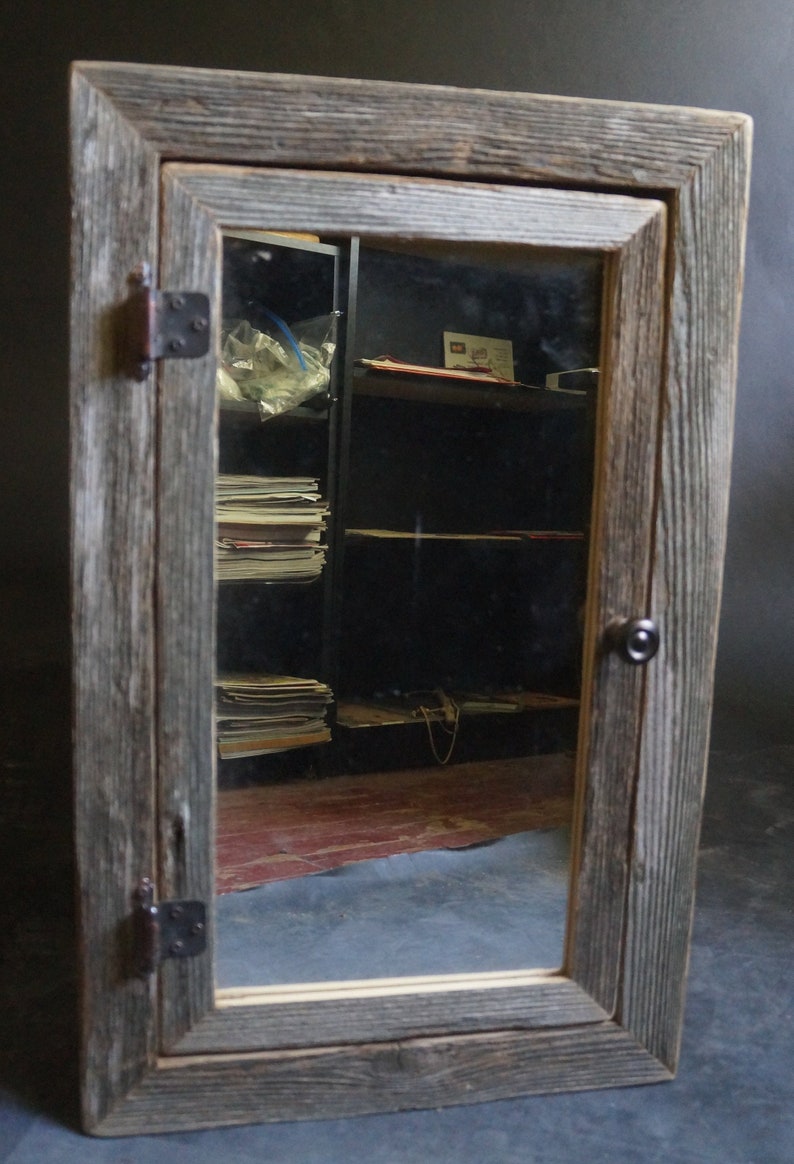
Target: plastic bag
279, 371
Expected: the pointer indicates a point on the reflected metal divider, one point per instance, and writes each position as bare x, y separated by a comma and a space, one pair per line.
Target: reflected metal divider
339, 457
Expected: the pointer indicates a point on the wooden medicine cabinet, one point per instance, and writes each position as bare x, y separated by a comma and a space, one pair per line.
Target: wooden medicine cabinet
401, 434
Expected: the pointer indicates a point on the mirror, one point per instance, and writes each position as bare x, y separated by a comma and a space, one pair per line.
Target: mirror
403, 503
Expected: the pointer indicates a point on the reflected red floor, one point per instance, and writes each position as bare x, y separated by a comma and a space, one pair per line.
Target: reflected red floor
274, 832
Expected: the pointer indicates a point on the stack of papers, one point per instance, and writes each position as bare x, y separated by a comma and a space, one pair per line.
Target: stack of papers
269, 528
258, 714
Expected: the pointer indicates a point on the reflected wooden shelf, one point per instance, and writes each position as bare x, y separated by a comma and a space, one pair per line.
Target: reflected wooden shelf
248, 410
463, 393
362, 714
524, 535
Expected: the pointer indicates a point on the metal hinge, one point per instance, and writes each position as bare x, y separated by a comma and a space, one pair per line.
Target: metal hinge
164, 324
166, 929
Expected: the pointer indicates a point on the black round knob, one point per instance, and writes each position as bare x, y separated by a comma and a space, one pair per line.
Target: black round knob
636, 640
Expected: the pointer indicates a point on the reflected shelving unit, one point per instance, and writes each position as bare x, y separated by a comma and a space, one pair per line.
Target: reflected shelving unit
446, 620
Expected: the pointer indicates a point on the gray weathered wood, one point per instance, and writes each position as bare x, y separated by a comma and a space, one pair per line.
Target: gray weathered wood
613, 706
386, 127
265, 1020
114, 184
399, 1075
631, 232
127, 120
190, 260
398, 207
695, 454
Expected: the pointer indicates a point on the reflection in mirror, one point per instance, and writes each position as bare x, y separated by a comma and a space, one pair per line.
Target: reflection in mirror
404, 488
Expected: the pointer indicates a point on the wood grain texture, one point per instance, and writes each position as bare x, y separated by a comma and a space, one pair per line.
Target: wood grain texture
370, 1012
389, 127
395, 1076
630, 230
696, 439
112, 460
613, 706
185, 505
127, 119
368, 204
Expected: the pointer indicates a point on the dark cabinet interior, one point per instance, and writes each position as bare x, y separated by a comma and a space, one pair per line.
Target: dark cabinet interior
446, 620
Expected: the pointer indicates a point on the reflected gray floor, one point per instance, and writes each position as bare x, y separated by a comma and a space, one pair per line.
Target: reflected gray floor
500, 905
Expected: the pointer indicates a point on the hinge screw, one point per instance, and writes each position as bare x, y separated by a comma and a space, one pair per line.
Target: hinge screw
199, 324
176, 303
197, 929
142, 274
144, 890
177, 947
176, 344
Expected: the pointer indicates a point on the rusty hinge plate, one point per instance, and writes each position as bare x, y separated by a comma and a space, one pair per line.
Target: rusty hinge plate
164, 324
166, 929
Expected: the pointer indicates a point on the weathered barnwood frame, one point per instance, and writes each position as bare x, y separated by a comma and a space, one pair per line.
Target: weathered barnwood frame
197, 202
162, 156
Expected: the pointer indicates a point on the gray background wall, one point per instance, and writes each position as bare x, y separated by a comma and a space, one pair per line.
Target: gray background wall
716, 53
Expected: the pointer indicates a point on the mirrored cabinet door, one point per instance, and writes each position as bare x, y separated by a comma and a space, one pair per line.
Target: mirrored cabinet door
408, 518
401, 430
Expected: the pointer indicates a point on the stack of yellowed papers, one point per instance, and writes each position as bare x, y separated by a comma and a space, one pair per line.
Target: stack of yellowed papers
257, 714
269, 528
